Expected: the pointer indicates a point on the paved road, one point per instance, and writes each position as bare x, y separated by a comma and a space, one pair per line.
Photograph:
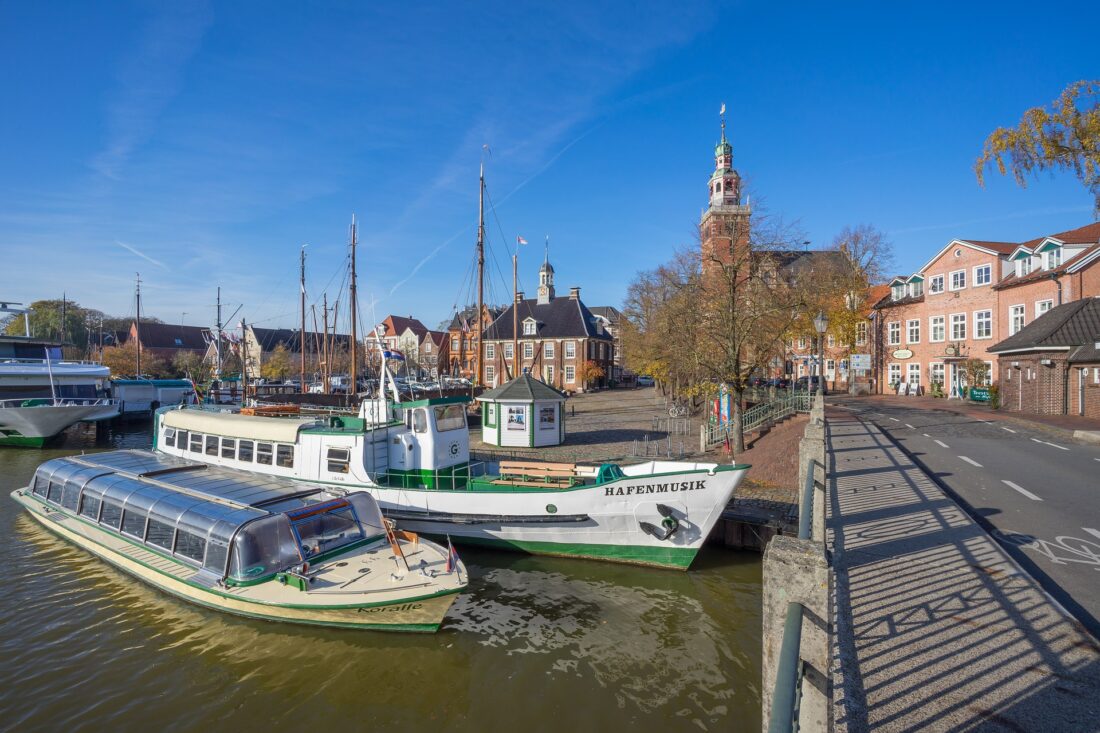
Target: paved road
1037, 494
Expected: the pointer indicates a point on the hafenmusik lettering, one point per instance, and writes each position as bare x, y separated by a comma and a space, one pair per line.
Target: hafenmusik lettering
654, 488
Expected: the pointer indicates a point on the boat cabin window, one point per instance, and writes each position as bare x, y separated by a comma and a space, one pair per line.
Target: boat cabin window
327, 529
284, 456
170, 437
450, 417
190, 546
229, 448
420, 420
338, 460
211, 445
55, 492
196, 443
181, 439
112, 513
90, 507
263, 453
41, 485
160, 534
70, 496
217, 554
244, 451
133, 523
261, 548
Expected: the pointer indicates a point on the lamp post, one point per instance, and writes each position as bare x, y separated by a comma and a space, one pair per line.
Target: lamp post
821, 323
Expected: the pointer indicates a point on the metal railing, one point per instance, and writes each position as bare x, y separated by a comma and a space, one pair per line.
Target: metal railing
58, 402
758, 416
787, 695
657, 447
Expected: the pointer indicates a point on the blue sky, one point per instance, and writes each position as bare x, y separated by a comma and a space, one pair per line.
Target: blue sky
204, 144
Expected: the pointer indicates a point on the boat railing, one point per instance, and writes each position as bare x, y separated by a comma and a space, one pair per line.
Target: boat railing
37, 362
453, 479
58, 402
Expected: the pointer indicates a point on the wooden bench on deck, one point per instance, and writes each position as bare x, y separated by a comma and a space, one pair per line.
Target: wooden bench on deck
521, 473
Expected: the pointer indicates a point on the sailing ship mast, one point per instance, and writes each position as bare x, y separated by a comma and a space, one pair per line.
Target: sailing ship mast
137, 294
515, 313
354, 387
480, 273
302, 333
324, 344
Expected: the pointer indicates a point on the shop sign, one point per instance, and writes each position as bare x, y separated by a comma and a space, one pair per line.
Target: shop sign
903, 354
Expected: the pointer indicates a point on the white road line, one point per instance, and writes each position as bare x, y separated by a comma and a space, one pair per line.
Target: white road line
895, 419
940, 443
1090, 530
929, 436
1052, 445
910, 426
1008, 429
971, 461
1022, 490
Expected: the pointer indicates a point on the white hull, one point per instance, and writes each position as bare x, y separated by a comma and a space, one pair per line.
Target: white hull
46, 421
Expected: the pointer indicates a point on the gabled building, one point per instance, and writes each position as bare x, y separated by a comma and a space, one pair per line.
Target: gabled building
611, 320
167, 340
462, 338
401, 332
557, 337
433, 357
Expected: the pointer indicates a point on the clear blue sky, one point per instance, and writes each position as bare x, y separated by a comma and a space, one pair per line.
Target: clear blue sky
203, 144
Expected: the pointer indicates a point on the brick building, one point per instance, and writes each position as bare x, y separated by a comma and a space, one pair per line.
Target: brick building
462, 338
1052, 365
434, 357
972, 294
557, 335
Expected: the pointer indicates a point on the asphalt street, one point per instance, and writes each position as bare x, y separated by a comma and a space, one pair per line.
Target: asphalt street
1037, 494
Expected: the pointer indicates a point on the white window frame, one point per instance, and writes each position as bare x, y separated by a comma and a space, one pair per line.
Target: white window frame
932, 369
1052, 258
893, 373
932, 329
932, 289
951, 280
548, 373
988, 375
953, 322
490, 373
1039, 311
801, 342
529, 327
508, 352
570, 350
528, 350
1023, 267
893, 333
832, 341
570, 373
977, 322
1012, 318
988, 268
861, 333
912, 373
490, 351
548, 350
909, 326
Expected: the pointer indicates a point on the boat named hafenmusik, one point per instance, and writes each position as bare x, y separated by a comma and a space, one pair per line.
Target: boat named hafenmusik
414, 458
257, 546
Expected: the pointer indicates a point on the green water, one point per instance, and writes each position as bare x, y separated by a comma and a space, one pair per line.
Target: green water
535, 644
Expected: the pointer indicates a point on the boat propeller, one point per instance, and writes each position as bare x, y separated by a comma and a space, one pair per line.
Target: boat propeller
668, 527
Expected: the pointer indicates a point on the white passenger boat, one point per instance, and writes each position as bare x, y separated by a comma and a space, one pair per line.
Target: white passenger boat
257, 546
41, 394
414, 458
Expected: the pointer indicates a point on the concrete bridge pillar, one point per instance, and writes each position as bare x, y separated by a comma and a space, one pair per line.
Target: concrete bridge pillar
797, 570
812, 448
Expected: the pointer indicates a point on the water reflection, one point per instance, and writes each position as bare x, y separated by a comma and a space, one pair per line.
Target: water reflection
535, 643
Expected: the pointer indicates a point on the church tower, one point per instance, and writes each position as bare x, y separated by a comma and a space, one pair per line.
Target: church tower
724, 227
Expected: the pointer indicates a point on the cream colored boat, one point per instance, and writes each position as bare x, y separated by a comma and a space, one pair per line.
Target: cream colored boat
257, 546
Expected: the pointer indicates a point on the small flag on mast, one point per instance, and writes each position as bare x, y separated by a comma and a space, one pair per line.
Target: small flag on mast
452, 556
723, 110
521, 240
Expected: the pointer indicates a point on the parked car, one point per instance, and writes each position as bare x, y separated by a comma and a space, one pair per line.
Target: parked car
804, 384
758, 382
779, 382
644, 380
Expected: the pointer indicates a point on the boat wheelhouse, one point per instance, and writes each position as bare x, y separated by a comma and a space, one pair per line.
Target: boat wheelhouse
414, 458
144, 396
258, 546
41, 394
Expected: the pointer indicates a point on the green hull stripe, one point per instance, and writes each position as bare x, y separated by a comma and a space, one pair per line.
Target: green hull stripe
679, 558
22, 441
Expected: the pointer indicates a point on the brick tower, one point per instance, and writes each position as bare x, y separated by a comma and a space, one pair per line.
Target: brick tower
724, 227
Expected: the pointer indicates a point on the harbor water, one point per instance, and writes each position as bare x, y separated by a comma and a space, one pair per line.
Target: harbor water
534, 644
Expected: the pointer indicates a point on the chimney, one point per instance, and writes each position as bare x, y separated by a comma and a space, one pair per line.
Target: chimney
519, 296
574, 293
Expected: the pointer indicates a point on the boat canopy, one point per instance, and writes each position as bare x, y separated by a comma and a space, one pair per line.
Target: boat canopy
232, 425
232, 524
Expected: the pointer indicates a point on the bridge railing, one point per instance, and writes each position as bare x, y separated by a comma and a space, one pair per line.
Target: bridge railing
756, 417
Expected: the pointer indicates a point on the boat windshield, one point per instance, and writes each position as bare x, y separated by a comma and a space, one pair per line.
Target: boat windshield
450, 417
325, 526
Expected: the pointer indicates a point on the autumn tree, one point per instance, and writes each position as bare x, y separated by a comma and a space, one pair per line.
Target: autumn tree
122, 361
277, 365
589, 371
1065, 137
188, 364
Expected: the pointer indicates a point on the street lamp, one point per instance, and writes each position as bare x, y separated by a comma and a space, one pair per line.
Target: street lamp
821, 323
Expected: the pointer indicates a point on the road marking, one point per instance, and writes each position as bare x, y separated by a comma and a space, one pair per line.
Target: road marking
910, 426
941, 444
1022, 490
1091, 530
895, 419
1049, 444
1008, 429
971, 461
929, 436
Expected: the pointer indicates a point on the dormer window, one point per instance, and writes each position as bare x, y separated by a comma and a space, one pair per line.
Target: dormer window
529, 327
897, 292
1023, 267
1052, 258
916, 288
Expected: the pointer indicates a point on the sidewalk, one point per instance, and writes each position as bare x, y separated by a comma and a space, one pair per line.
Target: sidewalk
1064, 424
936, 628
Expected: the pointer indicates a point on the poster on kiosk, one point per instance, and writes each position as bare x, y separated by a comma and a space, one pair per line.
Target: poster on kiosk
723, 410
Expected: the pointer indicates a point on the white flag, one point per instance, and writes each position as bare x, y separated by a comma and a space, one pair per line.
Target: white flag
723, 110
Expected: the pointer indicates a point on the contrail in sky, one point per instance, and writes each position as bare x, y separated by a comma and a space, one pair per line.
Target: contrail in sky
142, 255
428, 258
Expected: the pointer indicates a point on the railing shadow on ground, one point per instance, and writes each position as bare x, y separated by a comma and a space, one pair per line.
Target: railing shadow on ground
936, 628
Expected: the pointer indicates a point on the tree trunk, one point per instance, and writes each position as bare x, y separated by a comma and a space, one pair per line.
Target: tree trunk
737, 445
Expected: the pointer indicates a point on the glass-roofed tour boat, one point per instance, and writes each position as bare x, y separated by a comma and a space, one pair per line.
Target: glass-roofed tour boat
258, 546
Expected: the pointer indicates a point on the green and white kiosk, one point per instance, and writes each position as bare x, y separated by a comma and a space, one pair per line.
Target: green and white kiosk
524, 413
